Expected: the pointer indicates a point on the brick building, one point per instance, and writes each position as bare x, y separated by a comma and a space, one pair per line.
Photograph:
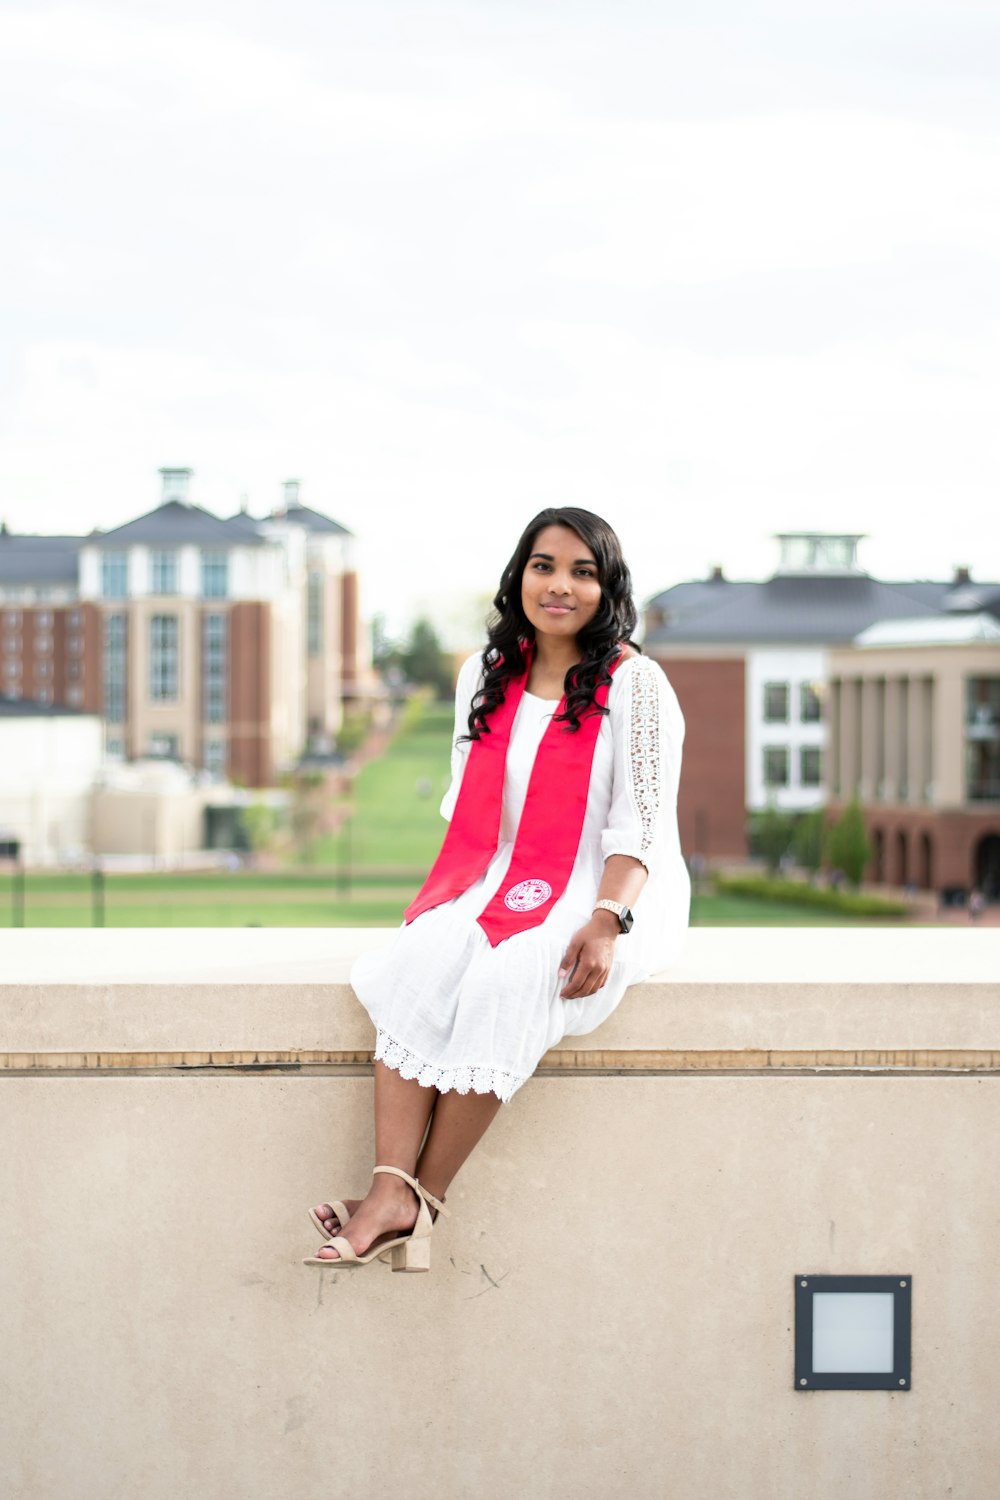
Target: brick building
228, 643
750, 662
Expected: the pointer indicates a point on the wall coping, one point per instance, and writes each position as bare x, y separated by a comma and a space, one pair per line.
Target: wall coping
119, 999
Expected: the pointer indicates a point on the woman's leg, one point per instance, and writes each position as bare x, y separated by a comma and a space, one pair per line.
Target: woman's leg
458, 1123
402, 1109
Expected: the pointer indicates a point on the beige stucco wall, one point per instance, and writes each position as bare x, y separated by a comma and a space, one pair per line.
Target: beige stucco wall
610, 1308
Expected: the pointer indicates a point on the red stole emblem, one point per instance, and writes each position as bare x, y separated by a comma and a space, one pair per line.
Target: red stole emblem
548, 834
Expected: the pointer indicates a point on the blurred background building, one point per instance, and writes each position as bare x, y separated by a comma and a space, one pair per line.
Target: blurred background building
228, 644
773, 677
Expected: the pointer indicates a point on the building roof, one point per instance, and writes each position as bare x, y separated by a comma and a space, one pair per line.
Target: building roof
174, 523
313, 520
38, 559
795, 609
931, 630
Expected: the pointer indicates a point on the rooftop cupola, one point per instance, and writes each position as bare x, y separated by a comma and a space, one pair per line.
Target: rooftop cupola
819, 554
176, 486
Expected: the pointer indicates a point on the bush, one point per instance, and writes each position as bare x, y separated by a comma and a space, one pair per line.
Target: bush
799, 894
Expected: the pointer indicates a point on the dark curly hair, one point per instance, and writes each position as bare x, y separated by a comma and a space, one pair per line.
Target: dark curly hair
509, 630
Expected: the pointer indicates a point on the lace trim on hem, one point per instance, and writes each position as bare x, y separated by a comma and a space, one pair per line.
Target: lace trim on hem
476, 1080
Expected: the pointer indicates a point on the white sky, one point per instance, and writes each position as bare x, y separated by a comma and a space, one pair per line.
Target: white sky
711, 269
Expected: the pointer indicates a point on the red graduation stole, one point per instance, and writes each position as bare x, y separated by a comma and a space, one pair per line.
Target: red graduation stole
548, 834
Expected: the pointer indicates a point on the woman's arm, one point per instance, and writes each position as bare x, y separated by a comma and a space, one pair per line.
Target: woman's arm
648, 730
587, 961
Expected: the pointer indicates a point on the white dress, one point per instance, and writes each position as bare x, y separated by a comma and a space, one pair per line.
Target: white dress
455, 1013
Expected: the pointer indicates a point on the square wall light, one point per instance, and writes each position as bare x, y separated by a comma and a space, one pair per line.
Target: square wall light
852, 1333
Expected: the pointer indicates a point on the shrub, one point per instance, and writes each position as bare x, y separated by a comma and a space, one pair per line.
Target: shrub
799, 894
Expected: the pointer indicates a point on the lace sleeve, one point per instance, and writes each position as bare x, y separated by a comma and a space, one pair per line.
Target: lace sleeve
469, 679
648, 732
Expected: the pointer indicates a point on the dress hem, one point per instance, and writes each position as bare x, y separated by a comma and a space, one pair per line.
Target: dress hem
463, 1080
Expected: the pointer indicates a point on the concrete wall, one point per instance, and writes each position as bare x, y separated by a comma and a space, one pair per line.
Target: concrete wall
610, 1309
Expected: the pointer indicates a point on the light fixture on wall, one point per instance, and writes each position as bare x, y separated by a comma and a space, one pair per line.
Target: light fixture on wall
852, 1333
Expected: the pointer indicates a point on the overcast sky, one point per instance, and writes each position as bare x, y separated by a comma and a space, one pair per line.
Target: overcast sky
711, 269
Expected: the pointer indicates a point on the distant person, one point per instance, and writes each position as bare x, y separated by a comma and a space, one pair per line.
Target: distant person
977, 905
559, 884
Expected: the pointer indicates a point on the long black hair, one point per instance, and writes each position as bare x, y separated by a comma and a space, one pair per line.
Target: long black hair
509, 630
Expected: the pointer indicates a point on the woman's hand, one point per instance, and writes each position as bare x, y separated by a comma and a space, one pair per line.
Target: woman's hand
587, 961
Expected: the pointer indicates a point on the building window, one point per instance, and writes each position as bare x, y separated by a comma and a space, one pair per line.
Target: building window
776, 765
43, 669
215, 757
12, 618
12, 644
116, 746
74, 619
43, 644
213, 668
163, 658
810, 765
74, 644
74, 695
13, 669
810, 704
114, 669
214, 575
315, 616
73, 669
776, 703
43, 619
163, 572
43, 695
114, 575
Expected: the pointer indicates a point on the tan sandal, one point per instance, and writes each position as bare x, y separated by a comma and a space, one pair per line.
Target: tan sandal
340, 1214
409, 1252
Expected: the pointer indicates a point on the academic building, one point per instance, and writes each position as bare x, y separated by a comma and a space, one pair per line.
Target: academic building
752, 664
914, 727
230, 644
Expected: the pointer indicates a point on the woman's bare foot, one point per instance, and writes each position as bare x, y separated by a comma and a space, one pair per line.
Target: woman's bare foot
389, 1210
329, 1219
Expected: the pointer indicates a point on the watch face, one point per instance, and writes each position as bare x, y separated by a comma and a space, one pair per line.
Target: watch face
626, 919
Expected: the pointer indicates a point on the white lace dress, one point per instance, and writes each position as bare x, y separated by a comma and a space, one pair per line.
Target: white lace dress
454, 1012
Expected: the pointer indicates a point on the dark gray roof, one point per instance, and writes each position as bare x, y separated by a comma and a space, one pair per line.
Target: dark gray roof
29, 708
38, 559
301, 515
174, 523
808, 610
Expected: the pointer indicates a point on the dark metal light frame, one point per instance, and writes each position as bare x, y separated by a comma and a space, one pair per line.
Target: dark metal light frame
896, 1379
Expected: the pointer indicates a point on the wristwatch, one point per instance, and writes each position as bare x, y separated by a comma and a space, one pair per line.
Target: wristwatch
625, 918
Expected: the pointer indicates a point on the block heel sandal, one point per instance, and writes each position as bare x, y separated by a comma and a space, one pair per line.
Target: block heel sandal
408, 1252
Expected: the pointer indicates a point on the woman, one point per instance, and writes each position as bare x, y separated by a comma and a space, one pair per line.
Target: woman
560, 881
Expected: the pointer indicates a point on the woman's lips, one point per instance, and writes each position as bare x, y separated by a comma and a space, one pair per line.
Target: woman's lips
558, 609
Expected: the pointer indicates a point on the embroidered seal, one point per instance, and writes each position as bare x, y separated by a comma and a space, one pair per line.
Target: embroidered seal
527, 895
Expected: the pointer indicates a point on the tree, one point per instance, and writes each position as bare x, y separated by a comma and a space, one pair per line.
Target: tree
807, 840
259, 823
847, 846
424, 660
771, 836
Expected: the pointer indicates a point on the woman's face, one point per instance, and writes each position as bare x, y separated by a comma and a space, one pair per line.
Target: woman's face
560, 587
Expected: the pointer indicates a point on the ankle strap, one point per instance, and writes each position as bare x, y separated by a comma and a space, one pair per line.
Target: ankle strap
398, 1172
437, 1203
